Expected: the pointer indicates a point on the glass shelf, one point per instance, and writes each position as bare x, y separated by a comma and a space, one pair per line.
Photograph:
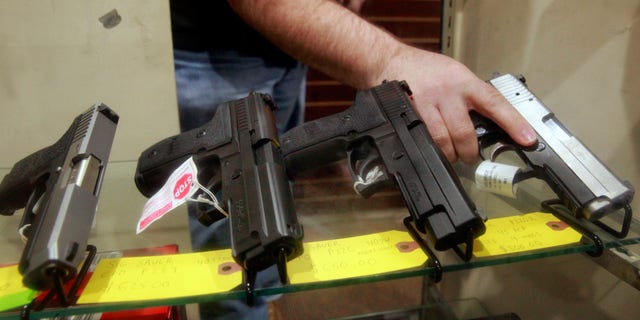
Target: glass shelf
327, 208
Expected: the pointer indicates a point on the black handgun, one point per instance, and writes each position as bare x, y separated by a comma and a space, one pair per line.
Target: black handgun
386, 144
583, 184
238, 151
59, 187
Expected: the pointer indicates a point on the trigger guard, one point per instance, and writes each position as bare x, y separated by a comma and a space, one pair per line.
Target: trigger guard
353, 159
208, 214
352, 165
498, 148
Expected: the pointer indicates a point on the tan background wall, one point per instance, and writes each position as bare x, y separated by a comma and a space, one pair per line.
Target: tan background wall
57, 59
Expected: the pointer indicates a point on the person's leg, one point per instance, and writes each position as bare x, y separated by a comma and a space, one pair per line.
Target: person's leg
290, 93
203, 81
201, 86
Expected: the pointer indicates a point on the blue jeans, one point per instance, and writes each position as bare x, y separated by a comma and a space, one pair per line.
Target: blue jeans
206, 79
203, 81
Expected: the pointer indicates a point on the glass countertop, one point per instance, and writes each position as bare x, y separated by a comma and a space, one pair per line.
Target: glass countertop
327, 207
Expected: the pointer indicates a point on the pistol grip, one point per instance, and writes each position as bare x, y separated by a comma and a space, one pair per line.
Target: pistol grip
28, 173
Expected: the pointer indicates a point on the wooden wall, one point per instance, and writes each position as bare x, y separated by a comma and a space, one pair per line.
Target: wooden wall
417, 22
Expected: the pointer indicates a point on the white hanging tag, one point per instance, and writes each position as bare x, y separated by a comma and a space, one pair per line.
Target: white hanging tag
180, 186
497, 178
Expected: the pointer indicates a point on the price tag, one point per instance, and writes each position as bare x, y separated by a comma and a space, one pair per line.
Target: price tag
180, 186
12, 292
161, 277
355, 257
497, 178
524, 232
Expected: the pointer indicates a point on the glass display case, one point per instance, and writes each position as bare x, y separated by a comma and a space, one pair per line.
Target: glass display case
328, 209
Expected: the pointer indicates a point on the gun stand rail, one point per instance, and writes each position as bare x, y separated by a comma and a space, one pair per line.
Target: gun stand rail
65, 299
626, 224
549, 206
249, 280
468, 252
249, 277
433, 260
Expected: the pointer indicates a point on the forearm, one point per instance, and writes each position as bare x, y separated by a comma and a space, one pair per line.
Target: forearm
326, 36
331, 38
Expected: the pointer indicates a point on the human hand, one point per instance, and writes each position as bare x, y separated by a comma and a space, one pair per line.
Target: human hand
325, 35
444, 92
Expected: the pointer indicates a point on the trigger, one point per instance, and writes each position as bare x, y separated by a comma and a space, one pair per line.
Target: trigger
370, 177
207, 215
206, 211
374, 180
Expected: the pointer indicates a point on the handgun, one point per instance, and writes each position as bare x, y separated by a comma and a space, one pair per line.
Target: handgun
582, 183
386, 144
237, 151
58, 187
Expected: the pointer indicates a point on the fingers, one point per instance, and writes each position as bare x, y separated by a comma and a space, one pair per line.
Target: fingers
450, 126
452, 130
444, 99
490, 103
461, 130
438, 131
463, 135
